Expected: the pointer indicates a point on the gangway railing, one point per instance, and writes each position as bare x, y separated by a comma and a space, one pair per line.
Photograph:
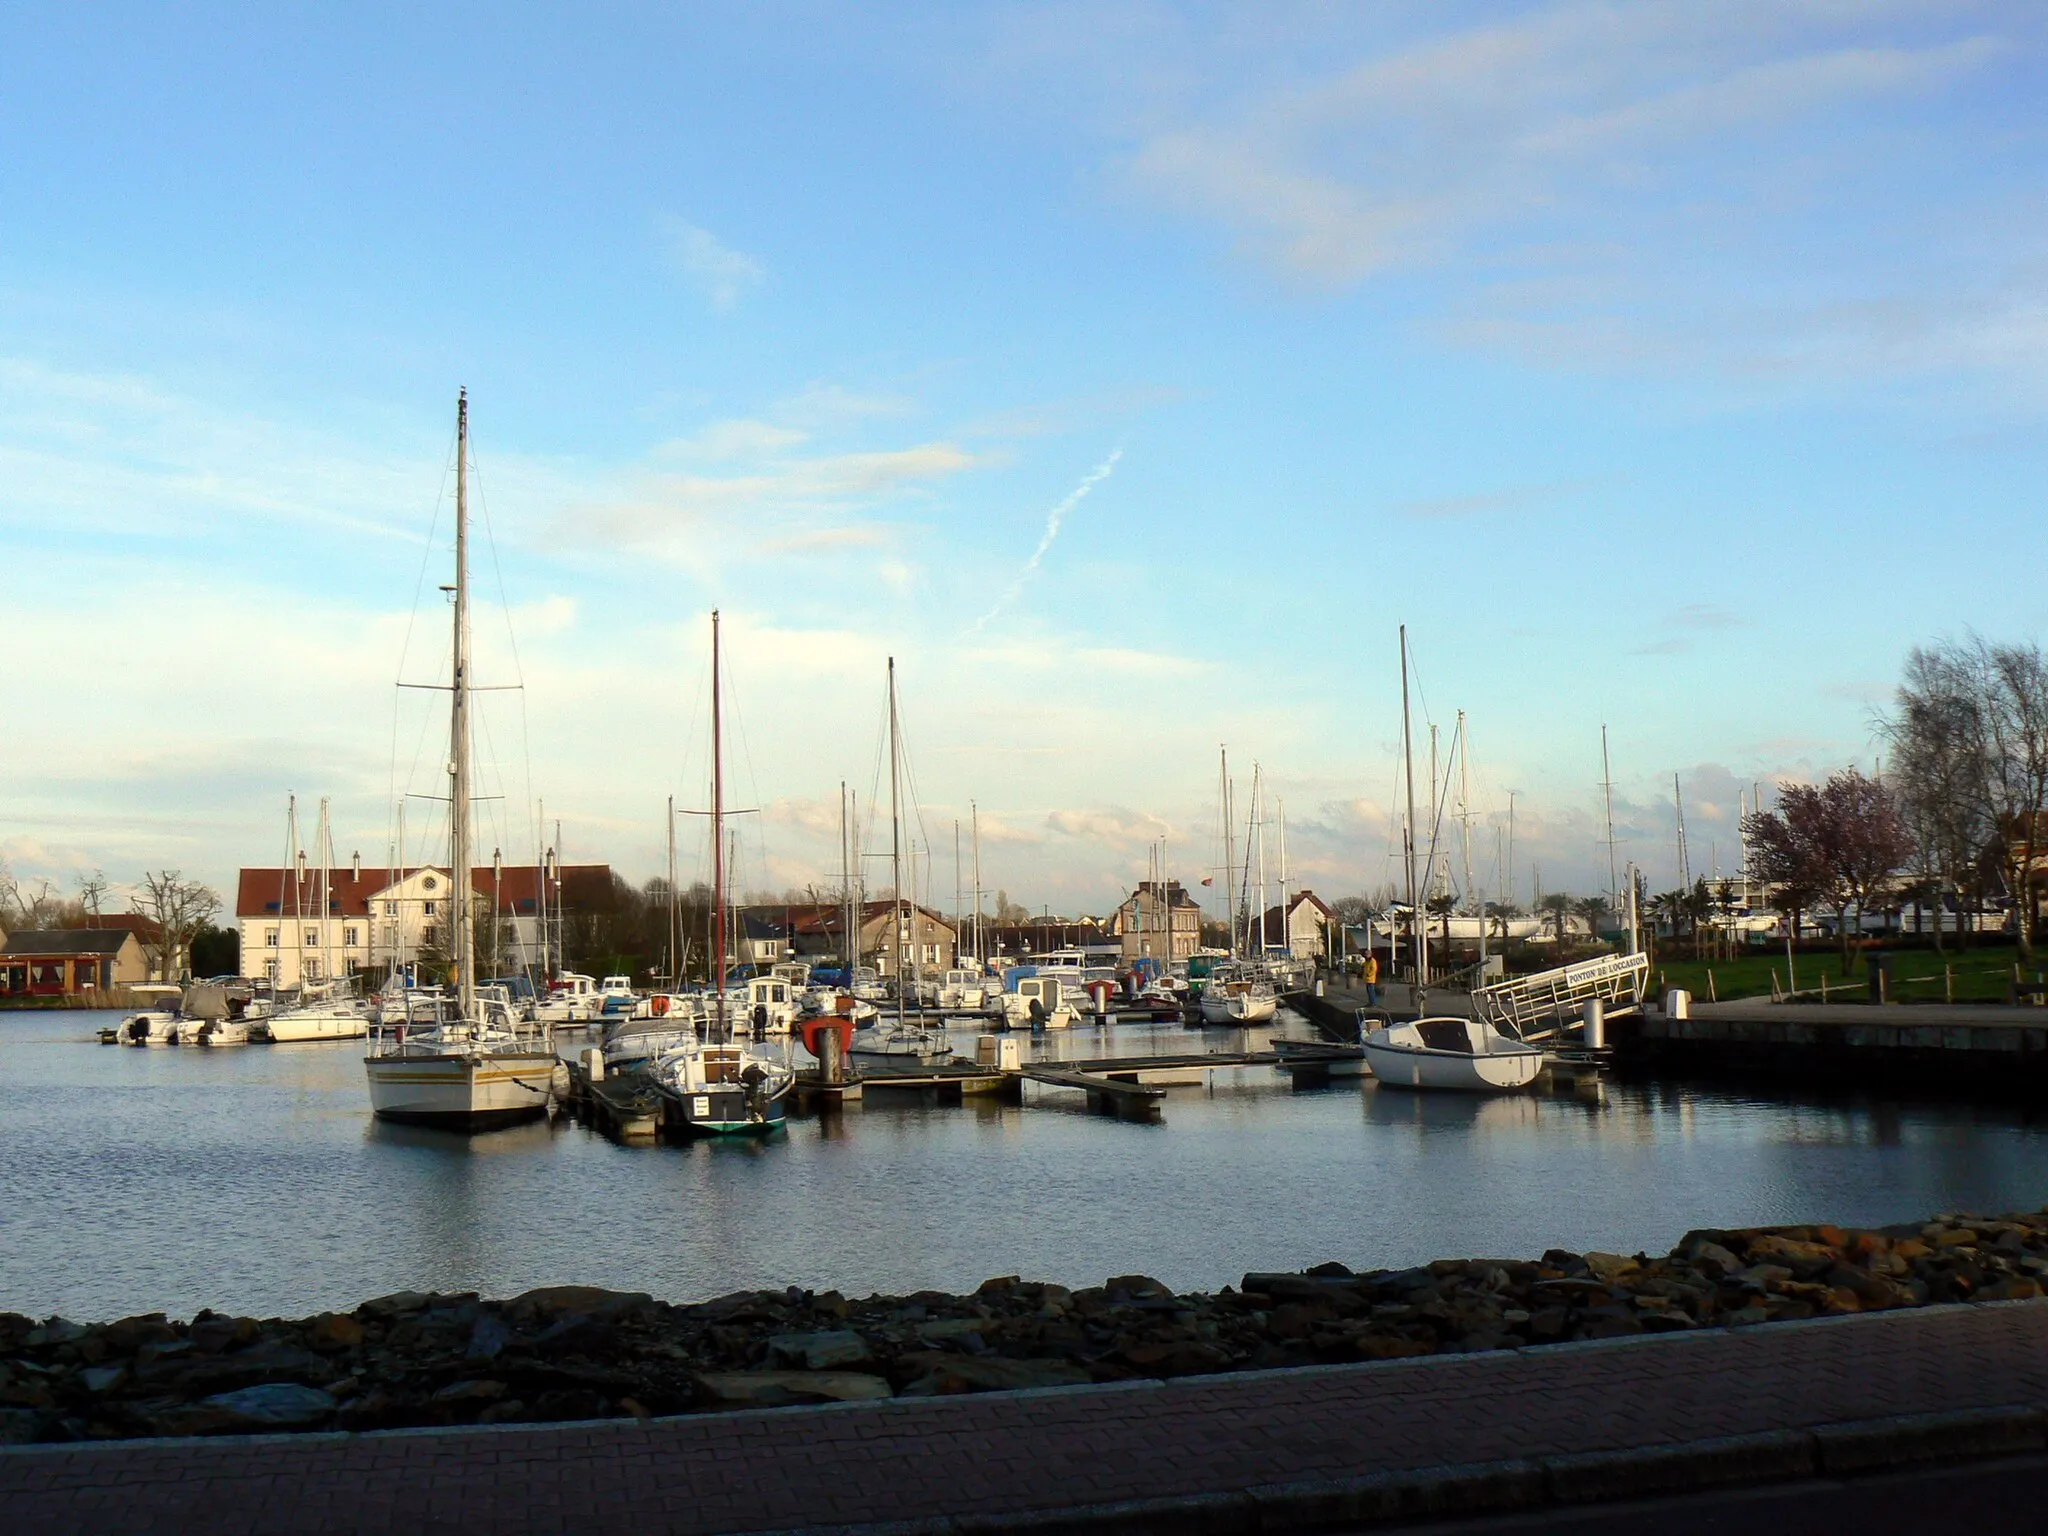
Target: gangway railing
1550, 1000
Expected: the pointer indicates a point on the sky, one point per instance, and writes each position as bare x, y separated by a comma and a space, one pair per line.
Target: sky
1130, 373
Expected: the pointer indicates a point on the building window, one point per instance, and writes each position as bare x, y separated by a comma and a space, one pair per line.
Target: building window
391, 909
348, 938
427, 934
312, 938
270, 937
430, 909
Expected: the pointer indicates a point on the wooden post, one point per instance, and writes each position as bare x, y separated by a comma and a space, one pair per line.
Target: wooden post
1774, 984
1823, 986
1712, 996
1948, 983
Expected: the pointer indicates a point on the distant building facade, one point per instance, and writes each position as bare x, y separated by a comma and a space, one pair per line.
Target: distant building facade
1160, 920
1299, 928
380, 918
69, 962
816, 932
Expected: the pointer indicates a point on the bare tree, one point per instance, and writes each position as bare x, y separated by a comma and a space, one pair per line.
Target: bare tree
92, 891
178, 908
1970, 743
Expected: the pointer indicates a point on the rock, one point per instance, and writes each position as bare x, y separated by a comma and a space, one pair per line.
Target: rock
840, 1349
1185, 1358
782, 1389
459, 1393
1137, 1288
55, 1331
487, 1340
1608, 1267
951, 1374
1388, 1346
103, 1378
279, 1405
397, 1304
334, 1331
131, 1333
589, 1300
1715, 1261
270, 1361
20, 1426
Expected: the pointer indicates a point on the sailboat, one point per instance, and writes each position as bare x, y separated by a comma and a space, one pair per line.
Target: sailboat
895, 1038
462, 1059
718, 1086
1468, 1055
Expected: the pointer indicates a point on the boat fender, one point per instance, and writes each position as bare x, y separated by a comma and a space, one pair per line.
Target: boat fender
660, 1005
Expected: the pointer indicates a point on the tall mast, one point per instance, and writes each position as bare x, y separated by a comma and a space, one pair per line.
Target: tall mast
291, 872
1229, 857
956, 890
326, 893
1607, 792
895, 845
845, 891
1258, 832
1286, 904
675, 905
1416, 925
458, 733
1684, 864
717, 829
974, 809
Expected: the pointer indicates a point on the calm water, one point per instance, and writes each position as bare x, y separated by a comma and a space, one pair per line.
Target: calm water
254, 1180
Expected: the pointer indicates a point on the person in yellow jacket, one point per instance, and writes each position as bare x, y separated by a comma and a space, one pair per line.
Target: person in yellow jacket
1372, 980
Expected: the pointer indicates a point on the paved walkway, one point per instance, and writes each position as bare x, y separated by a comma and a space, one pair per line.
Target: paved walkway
1238, 1452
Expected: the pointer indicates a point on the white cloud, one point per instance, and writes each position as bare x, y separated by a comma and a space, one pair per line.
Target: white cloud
723, 275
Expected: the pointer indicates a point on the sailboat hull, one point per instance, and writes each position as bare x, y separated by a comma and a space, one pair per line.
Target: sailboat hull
720, 1111
464, 1093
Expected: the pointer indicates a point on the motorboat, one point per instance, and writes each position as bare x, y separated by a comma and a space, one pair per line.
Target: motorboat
155, 1025
722, 1088
1238, 994
330, 1013
962, 991
638, 1040
1031, 1001
572, 999
867, 984
616, 995
1463, 1055
895, 1040
768, 1006
821, 1002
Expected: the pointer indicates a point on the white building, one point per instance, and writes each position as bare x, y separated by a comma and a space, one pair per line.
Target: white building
378, 918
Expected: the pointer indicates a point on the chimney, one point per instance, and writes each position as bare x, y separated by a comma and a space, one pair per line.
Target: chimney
355, 864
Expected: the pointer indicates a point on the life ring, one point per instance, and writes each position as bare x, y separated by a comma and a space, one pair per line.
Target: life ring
660, 1005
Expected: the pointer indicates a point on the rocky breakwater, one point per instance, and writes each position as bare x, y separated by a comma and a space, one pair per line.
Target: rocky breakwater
574, 1352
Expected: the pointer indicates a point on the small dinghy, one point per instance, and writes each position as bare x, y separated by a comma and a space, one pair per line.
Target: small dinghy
1459, 1054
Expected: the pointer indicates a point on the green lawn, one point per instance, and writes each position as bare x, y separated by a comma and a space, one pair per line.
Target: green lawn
1980, 975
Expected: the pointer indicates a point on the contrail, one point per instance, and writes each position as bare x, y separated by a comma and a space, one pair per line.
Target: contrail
1093, 478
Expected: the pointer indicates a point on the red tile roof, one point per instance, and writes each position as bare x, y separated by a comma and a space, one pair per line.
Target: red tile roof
268, 892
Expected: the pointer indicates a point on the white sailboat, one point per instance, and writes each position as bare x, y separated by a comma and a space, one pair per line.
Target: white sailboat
717, 1086
897, 1038
1461, 1054
1465, 1055
466, 1061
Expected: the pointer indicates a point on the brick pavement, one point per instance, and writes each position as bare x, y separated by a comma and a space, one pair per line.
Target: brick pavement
941, 1465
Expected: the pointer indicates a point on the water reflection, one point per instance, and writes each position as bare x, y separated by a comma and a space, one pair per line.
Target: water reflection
255, 1180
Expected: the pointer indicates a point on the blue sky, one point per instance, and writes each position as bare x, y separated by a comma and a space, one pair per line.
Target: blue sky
1670, 366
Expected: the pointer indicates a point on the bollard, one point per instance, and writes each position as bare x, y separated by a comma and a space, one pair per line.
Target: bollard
1596, 1024
1678, 1003
593, 1063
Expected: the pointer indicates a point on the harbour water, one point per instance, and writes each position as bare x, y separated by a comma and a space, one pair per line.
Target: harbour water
254, 1180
